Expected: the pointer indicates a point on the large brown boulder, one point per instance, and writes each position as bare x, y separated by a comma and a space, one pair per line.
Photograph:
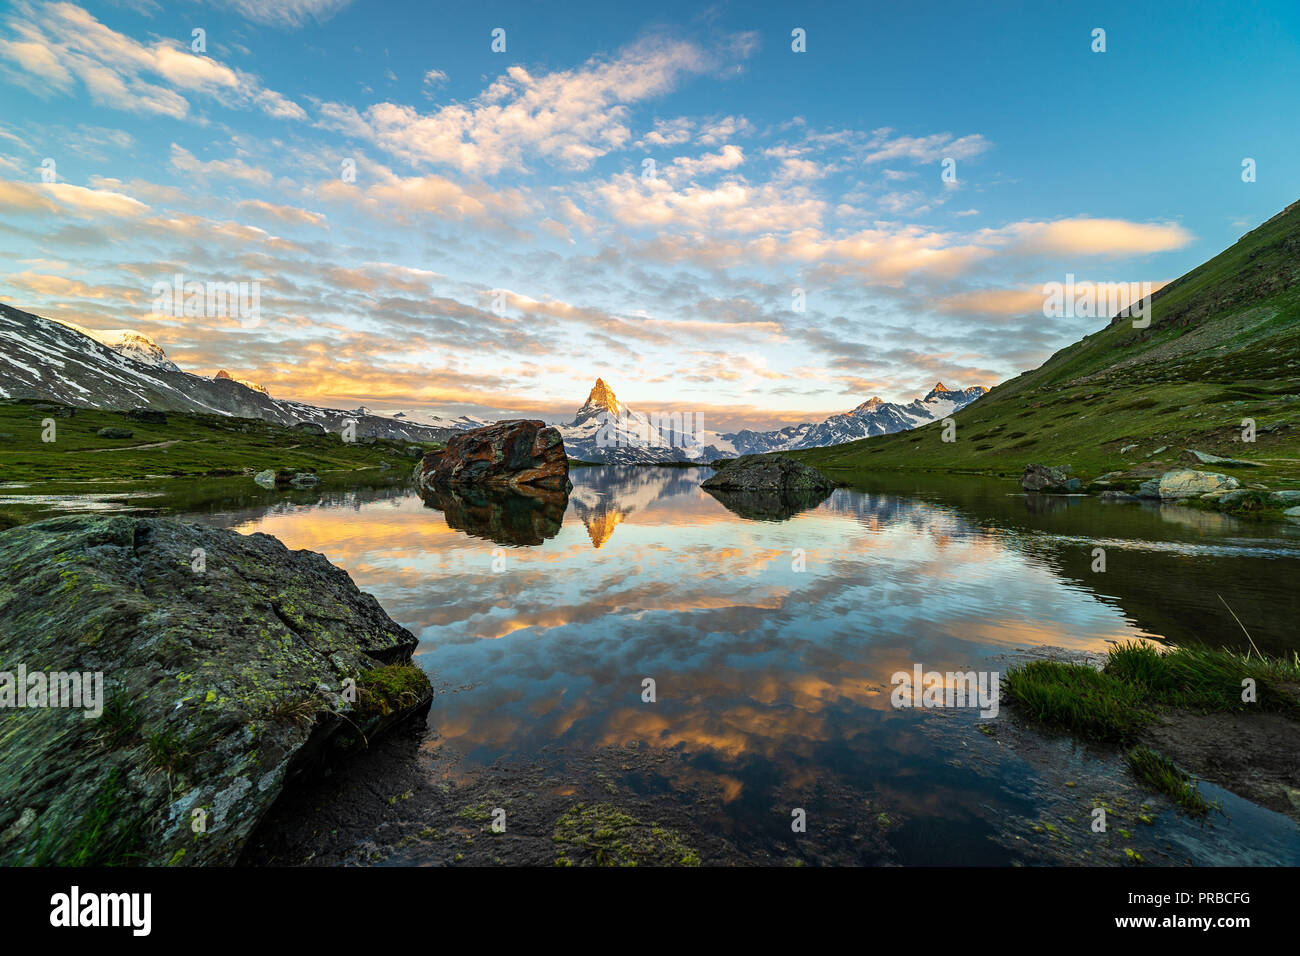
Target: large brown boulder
509, 454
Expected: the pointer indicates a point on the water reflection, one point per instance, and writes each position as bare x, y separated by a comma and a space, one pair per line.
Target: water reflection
526, 516
772, 674
769, 506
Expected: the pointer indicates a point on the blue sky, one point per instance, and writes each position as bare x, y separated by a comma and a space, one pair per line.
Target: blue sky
501, 245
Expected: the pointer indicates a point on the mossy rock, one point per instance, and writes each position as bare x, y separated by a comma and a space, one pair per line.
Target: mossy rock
219, 685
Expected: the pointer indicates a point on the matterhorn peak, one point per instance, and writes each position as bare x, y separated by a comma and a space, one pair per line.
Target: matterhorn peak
224, 376
871, 404
602, 398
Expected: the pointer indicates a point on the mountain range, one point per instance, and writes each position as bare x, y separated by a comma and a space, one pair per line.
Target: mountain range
606, 430
1214, 366
61, 362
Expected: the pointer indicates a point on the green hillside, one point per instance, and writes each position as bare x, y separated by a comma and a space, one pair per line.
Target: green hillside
185, 445
1223, 345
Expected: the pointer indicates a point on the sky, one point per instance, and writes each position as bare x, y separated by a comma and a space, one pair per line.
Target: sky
668, 196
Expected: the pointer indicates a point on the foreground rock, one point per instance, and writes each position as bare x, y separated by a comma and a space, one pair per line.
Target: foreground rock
1048, 478
226, 663
509, 454
767, 474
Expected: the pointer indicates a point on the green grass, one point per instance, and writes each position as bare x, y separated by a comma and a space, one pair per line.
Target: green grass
1089, 702
1159, 773
1137, 680
106, 836
187, 445
1223, 345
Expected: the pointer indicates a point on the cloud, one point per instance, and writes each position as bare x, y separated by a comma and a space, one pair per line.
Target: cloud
1089, 237
289, 14
55, 42
569, 118
884, 146
63, 197
287, 214
183, 161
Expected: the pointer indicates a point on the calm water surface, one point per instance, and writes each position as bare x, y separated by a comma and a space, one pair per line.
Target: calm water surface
539, 621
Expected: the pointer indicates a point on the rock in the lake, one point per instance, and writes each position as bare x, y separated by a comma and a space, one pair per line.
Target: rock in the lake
1149, 489
509, 454
304, 479
1047, 478
265, 478
1186, 483
1284, 497
114, 432
768, 473
226, 663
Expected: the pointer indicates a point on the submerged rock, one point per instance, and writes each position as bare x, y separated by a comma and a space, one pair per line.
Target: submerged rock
509, 454
265, 478
1186, 483
1118, 496
226, 666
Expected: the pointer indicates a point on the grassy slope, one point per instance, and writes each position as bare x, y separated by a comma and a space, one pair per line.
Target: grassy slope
1223, 345
204, 445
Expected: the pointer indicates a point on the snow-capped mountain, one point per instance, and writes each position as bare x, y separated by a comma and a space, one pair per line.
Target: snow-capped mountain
608, 431
134, 345
873, 417
60, 362
460, 423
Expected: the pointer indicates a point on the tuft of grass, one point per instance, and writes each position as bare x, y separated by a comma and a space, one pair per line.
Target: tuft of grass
1159, 773
167, 752
1115, 702
120, 720
102, 838
300, 710
1090, 702
389, 689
